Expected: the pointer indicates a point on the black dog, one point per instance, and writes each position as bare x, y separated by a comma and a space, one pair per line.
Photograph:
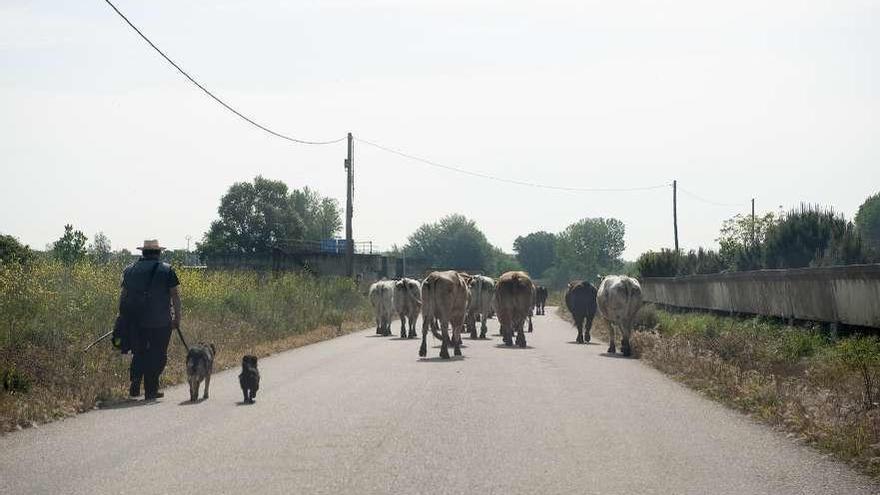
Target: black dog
249, 378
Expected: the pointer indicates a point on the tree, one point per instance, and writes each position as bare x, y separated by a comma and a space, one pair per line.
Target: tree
737, 247
71, 247
12, 251
99, 250
536, 252
868, 223
260, 216
321, 217
811, 236
588, 248
455, 242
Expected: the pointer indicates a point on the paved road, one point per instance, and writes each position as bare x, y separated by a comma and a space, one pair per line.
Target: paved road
362, 414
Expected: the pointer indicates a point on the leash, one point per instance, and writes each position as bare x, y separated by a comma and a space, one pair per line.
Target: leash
182, 340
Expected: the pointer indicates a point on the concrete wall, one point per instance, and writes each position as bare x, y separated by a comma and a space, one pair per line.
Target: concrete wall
845, 294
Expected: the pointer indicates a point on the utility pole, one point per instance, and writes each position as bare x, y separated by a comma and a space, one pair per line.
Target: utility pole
753, 222
349, 209
675, 212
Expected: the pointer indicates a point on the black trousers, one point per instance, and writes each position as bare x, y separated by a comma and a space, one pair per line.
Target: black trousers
149, 357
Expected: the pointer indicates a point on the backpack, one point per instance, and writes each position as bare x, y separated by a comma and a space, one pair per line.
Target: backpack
132, 308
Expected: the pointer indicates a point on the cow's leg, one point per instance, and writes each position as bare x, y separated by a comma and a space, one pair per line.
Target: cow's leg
207, 385
402, 325
456, 336
378, 325
520, 334
472, 325
412, 326
625, 332
506, 332
483, 327
579, 324
588, 325
611, 348
426, 327
444, 333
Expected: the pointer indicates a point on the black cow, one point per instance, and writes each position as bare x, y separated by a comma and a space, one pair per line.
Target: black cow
540, 299
580, 299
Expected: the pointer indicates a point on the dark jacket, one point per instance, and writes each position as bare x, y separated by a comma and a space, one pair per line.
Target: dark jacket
137, 276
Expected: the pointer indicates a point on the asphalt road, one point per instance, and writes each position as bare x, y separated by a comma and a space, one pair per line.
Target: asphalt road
363, 414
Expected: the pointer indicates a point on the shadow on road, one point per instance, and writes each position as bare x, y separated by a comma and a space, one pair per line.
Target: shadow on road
587, 343
513, 347
126, 403
243, 403
188, 402
615, 355
438, 359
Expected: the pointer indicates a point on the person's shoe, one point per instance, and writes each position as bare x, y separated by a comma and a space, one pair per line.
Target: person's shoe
154, 396
134, 390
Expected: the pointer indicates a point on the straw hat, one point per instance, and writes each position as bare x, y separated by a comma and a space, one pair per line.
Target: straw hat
151, 245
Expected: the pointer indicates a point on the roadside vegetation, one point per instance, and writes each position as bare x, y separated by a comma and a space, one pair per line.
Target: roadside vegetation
52, 308
821, 388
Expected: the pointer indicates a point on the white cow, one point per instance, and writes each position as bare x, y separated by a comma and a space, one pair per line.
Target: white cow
382, 299
480, 303
619, 299
408, 303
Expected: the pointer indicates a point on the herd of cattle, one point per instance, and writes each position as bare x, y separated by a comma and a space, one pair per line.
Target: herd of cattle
457, 301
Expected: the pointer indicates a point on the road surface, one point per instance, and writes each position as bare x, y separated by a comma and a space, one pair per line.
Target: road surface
363, 414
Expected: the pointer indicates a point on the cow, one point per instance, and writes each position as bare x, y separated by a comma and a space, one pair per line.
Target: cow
382, 299
619, 299
482, 290
513, 302
580, 299
444, 303
540, 299
408, 303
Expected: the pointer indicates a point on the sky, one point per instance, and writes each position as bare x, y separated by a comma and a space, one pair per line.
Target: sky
777, 101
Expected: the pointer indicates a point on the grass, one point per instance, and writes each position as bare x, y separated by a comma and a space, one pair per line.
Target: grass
820, 388
52, 311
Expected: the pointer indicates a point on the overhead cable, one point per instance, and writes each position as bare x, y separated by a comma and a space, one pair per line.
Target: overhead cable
209, 93
505, 179
710, 202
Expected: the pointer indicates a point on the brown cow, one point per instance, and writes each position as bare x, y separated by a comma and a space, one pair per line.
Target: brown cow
513, 302
444, 299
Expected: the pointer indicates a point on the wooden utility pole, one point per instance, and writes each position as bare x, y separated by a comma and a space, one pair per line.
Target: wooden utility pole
675, 212
349, 209
753, 222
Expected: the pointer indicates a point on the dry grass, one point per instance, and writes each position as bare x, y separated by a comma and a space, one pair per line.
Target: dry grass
820, 389
51, 312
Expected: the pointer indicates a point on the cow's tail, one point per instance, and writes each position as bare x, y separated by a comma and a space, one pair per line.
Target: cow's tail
434, 331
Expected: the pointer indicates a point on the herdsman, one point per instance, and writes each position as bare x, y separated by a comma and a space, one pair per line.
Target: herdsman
150, 303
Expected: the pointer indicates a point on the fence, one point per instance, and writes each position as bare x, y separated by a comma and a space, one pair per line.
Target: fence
844, 294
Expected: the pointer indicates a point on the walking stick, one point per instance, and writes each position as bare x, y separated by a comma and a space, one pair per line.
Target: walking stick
102, 337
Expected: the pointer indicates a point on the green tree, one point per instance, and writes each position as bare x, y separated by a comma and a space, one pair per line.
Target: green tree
99, 250
588, 248
321, 217
502, 262
868, 223
737, 248
811, 236
454, 242
257, 216
71, 247
12, 251
536, 252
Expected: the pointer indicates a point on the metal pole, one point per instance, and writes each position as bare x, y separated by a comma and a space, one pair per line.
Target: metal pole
675, 212
349, 209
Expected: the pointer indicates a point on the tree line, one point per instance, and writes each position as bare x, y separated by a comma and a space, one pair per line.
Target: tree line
809, 235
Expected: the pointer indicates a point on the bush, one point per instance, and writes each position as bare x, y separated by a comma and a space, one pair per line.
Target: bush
668, 263
809, 236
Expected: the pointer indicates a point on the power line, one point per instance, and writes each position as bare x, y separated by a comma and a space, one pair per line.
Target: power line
505, 179
710, 202
209, 93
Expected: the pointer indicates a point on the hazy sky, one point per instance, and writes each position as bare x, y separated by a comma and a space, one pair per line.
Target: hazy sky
777, 100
